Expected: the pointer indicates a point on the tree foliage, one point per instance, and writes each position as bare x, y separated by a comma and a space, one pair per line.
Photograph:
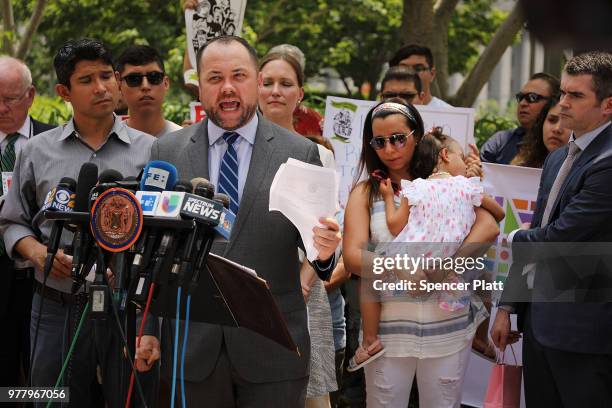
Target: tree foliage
353, 37
471, 28
118, 23
436, 22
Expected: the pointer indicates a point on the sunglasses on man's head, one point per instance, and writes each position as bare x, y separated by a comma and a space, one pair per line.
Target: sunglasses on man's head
407, 96
135, 79
397, 140
530, 97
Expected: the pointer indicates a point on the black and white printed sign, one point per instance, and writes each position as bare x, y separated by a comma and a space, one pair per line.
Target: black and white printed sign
210, 19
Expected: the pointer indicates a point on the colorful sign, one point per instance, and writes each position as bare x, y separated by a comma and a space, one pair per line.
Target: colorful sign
516, 190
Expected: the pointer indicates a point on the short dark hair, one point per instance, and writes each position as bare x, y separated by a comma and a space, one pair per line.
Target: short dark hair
404, 74
427, 152
554, 85
412, 49
138, 55
74, 51
289, 59
227, 39
595, 63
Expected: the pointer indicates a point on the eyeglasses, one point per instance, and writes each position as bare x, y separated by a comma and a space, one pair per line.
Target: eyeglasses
416, 69
397, 140
135, 79
530, 97
15, 100
407, 96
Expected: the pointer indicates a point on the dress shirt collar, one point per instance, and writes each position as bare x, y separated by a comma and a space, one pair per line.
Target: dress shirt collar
247, 132
585, 140
25, 129
119, 129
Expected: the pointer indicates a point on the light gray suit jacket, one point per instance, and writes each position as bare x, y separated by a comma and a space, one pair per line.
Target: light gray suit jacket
263, 240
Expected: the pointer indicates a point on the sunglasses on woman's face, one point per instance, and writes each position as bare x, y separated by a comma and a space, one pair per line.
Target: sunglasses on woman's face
530, 97
135, 79
397, 140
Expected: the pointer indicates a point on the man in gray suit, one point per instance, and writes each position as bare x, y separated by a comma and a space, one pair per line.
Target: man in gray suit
239, 151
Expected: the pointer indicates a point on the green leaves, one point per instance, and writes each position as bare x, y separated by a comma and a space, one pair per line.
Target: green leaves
472, 26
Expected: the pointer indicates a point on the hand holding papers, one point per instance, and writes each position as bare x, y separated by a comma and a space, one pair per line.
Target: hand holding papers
304, 193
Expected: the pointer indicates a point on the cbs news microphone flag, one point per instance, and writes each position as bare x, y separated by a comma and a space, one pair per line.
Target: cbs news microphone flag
516, 190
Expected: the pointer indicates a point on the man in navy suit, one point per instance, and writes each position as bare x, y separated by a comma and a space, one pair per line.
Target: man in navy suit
567, 346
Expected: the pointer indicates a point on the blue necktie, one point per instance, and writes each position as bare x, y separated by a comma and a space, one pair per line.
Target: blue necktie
228, 173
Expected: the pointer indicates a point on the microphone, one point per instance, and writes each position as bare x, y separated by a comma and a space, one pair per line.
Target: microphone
158, 175
226, 223
129, 183
223, 199
116, 224
183, 186
60, 198
205, 189
195, 206
207, 212
198, 180
81, 243
107, 179
169, 237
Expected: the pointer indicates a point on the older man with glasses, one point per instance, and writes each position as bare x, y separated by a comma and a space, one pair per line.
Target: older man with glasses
16, 127
504, 145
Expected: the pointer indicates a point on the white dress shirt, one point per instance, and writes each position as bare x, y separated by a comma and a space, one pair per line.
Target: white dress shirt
243, 146
25, 132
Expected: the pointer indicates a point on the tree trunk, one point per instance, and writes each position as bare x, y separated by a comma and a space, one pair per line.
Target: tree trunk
424, 24
373, 77
28, 36
442, 16
417, 22
346, 86
481, 72
8, 22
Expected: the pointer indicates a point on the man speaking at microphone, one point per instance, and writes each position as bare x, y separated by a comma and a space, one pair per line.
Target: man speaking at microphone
240, 152
87, 80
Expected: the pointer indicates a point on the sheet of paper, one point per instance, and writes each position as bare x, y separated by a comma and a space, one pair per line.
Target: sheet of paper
304, 193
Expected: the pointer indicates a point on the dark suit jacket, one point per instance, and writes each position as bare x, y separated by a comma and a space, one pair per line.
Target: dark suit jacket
263, 240
502, 146
582, 213
7, 270
39, 127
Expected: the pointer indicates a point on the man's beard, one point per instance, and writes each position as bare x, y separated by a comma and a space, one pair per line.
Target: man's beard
247, 114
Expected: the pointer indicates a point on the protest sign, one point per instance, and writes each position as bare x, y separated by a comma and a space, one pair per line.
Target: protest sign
210, 19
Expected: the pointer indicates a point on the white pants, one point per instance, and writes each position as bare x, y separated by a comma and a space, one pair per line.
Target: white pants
389, 380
